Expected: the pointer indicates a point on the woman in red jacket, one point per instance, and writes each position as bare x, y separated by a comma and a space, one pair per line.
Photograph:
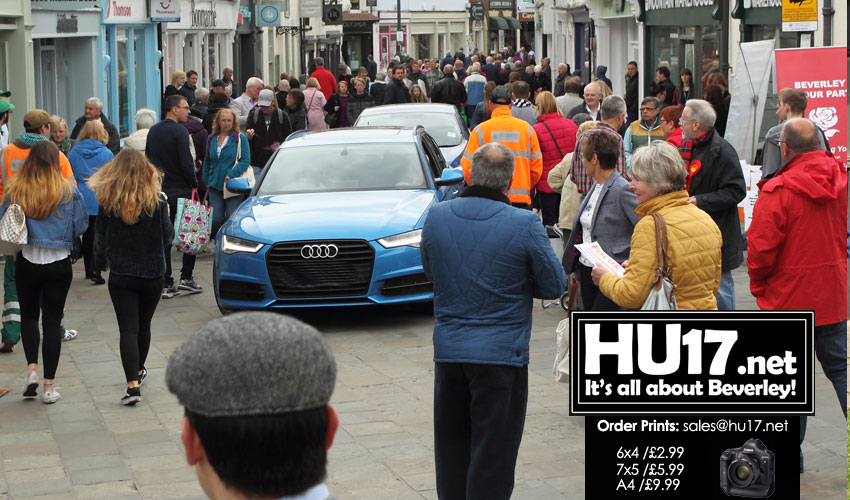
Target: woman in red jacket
670, 125
557, 137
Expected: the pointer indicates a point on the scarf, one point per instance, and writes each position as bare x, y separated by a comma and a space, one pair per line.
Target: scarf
484, 192
686, 151
30, 139
521, 103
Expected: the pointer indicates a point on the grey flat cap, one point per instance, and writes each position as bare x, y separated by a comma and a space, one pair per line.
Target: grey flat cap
256, 363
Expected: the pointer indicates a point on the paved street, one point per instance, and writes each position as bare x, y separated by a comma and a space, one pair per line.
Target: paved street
89, 446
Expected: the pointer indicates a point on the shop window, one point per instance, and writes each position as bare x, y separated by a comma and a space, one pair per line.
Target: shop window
123, 118
174, 48
212, 73
140, 73
423, 46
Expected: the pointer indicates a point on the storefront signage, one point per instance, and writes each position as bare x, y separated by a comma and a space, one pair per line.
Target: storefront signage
312, 8
822, 73
758, 4
268, 16
122, 11
357, 26
66, 23
501, 4
70, 23
165, 10
677, 4
799, 15
526, 17
477, 11
218, 15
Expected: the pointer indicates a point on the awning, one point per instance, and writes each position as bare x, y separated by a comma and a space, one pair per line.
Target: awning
513, 23
498, 23
359, 16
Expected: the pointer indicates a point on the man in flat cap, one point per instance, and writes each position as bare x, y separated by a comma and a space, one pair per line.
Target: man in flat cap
256, 387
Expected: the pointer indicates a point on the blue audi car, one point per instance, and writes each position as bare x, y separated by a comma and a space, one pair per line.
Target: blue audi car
335, 220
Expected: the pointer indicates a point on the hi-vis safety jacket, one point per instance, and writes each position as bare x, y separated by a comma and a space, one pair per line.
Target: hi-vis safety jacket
518, 136
14, 155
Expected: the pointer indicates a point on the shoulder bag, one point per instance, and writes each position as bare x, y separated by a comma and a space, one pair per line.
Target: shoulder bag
662, 295
248, 173
13, 230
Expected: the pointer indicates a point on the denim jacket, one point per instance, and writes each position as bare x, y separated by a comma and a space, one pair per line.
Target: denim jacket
57, 232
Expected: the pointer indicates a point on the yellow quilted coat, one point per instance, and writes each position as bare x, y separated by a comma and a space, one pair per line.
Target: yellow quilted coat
694, 256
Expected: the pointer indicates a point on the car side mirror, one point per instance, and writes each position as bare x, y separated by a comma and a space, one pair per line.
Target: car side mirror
449, 176
238, 185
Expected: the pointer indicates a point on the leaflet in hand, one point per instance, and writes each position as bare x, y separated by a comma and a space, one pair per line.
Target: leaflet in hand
594, 253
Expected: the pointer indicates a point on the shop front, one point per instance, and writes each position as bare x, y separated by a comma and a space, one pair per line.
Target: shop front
391, 41
132, 75
583, 42
66, 44
617, 40
525, 16
433, 33
15, 39
358, 34
202, 40
689, 36
502, 27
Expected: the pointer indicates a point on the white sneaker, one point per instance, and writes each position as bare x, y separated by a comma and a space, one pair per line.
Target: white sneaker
31, 387
50, 397
69, 335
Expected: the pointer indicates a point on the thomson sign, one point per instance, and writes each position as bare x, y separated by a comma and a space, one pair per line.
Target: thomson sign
677, 4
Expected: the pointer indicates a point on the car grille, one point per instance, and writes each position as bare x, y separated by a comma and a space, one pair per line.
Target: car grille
348, 274
413, 284
240, 290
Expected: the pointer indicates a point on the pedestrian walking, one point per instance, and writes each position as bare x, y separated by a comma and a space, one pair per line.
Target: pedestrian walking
662, 78
268, 127
337, 106
266, 439
632, 89
521, 106
228, 156
178, 78
396, 92
314, 102
358, 101
189, 87
218, 100
326, 79
516, 135
685, 90
132, 231
474, 85
295, 110
601, 75
377, 88
145, 118
796, 251
613, 113
94, 111
670, 124
791, 103
484, 285
482, 109
570, 97
416, 94
559, 180
557, 138
59, 135
592, 102
563, 74
450, 90
55, 215
244, 104
716, 185
37, 125
606, 216
646, 130
88, 156
168, 150
693, 239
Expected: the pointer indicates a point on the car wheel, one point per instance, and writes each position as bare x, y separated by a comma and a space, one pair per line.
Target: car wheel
223, 310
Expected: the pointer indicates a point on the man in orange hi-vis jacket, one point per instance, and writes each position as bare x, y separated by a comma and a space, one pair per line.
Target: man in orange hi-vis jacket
515, 134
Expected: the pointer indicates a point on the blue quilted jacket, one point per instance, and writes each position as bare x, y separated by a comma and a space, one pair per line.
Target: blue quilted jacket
487, 260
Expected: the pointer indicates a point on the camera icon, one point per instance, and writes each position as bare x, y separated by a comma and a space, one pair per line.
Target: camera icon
748, 471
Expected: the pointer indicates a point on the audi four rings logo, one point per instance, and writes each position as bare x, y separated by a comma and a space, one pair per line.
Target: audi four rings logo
319, 251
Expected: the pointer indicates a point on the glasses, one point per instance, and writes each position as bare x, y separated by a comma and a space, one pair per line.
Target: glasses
648, 109
183, 107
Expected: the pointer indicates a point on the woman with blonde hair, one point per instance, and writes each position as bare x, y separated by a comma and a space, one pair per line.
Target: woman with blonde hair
693, 249
132, 231
55, 215
89, 154
178, 78
416, 94
59, 135
557, 136
314, 103
228, 156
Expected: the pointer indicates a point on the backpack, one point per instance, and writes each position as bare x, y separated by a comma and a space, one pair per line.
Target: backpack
255, 113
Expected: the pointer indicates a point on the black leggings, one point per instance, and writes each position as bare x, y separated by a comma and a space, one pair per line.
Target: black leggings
42, 289
135, 300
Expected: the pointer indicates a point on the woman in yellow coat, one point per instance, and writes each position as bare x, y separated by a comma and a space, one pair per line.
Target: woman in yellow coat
659, 179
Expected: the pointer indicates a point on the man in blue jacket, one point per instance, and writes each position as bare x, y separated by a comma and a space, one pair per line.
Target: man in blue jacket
484, 286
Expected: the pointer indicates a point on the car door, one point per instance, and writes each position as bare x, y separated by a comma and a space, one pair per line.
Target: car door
437, 164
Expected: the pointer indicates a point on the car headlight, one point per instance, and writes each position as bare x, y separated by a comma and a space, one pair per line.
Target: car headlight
232, 244
408, 239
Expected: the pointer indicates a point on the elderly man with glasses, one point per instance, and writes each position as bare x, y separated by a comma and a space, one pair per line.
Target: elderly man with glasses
646, 130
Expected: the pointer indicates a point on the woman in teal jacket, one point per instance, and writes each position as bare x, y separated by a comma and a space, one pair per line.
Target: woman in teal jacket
228, 156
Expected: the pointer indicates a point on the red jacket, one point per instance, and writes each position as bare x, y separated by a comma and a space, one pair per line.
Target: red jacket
327, 81
676, 137
796, 247
564, 131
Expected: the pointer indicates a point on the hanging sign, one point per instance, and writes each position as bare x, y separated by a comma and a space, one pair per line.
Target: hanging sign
165, 10
822, 73
799, 15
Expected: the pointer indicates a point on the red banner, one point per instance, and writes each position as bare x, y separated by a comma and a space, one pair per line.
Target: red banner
822, 73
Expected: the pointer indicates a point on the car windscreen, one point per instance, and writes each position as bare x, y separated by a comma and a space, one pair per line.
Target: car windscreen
344, 167
443, 127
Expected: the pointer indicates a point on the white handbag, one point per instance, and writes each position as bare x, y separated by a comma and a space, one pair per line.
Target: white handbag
247, 174
562, 358
662, 295
13, 230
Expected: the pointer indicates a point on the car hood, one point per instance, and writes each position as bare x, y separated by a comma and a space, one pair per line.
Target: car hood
367, 215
